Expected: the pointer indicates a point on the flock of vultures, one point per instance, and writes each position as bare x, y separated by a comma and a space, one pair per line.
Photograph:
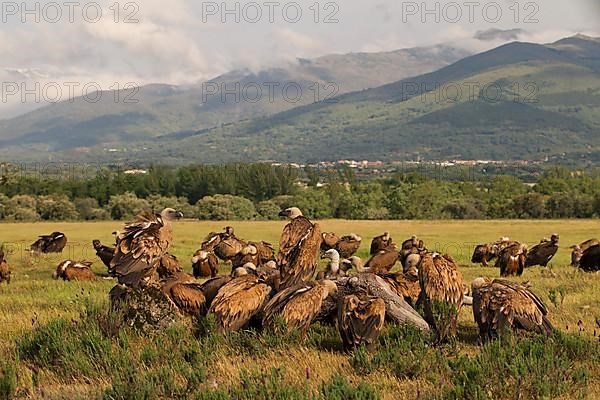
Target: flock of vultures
283, 291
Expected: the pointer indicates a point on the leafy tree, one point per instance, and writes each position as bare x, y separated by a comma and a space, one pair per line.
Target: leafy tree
126, 206
225, 207
56, 208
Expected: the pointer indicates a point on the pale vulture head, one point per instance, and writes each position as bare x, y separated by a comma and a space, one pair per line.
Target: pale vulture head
170, 214
291, 213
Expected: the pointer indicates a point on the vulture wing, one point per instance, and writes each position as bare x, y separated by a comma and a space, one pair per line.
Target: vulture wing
211, 287
210, 241
297, 306
590, 260
383, 261
238, 301
541, 254
405, 285
140, 247
188, 297
347, 246
265, 251
360, 320
299, 251
330, 239
441, 280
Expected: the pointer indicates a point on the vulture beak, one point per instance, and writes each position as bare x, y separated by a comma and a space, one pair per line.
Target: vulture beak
284, 213
178, 215
323, 256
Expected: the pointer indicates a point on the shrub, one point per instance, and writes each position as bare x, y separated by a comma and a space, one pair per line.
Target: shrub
225, 207
126, 206
56, 208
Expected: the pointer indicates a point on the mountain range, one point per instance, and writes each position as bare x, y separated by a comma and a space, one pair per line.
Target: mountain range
517, 101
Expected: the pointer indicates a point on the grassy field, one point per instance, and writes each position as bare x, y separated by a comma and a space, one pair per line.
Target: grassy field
41, 321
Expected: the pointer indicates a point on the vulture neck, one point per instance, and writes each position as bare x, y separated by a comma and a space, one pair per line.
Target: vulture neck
334, 265
358, 264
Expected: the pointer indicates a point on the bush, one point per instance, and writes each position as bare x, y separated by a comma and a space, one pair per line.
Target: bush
88, 209
21, 208
225, 207
56, 208
126, 206
268, 210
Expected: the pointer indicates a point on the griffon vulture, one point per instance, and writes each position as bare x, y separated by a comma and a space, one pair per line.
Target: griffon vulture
229, 245
4, 267
441, 283
405, 284
329, 240
590, 259
238, 301
500, 305
511, 260
141, 245
186, 293
298, 248
105, 253
211, 287
579, 249
380, 242
484, 253
70, 270
333, 270
266, 252
297, 306
348, 245
382, 261
53, 243
205, 264
360, 320
411, 246
542, 253
168, 266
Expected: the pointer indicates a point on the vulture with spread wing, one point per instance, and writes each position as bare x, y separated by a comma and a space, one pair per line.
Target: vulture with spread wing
238, 301
360, 320
141, 246
69, 270
105, 253
500, 305
542, 253
579, 249
53, 243
297, 306
298, 248
4, 267
205, 264
380, 242
590, 259
441, 284
511, 260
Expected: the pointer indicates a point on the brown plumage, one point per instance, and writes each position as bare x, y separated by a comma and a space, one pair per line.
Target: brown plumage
141, 245
229, 245
4, 268
168, 266
70, 270
329, 240
53, 243
411, 246
211, 287
297, 306
542, 253
238, 301
348, 245
186, 293
500, 305
579, 249
380, 242
266, 252
405, 284
298, 249
360, 320
441, 282
211, 241
248, 254
590, 259
511, 260
205, 264
484, 253
105, 253
383, 261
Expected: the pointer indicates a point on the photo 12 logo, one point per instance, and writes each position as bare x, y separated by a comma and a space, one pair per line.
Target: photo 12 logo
54, 92
270, 11
469, 11
253, 92
69, 12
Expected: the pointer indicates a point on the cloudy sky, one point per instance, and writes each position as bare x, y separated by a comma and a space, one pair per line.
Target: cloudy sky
68, 45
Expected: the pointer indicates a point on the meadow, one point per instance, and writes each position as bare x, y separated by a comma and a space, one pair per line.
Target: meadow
59, 340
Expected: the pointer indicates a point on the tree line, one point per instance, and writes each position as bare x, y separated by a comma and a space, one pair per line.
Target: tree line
259, 191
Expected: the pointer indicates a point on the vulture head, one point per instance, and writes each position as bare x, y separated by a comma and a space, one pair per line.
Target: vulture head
249, 267
228, 230
478, 283
271, 264
386, 236
357, 263
240, 271
554, 238
170, 214
332, 254
200, 255
291, 213
249, 250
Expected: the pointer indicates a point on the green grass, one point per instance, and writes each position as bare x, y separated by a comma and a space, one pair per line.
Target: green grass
57, 339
